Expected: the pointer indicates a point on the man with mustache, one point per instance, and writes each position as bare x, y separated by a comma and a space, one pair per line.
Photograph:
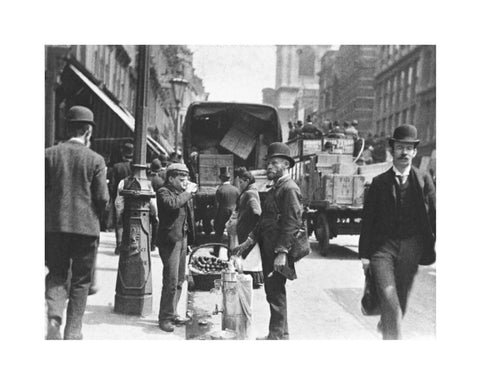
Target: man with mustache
280, 220
398, 229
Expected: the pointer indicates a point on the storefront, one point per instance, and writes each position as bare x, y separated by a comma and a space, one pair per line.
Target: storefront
115, 125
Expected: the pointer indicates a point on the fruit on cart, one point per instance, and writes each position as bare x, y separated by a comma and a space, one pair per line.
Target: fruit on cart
207, 265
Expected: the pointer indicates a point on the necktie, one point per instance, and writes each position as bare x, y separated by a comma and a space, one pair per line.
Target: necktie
400, 179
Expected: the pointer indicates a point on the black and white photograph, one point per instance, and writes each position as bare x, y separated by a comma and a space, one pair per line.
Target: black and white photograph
174, 209
240, 191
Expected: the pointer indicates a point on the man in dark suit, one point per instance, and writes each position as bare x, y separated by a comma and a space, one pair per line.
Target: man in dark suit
280, 220
175, 214
398, 229
120, 171
75, 195
225, 201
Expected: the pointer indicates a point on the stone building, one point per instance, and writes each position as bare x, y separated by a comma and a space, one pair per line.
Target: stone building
328, 87
296, 85
103, 78
405, 91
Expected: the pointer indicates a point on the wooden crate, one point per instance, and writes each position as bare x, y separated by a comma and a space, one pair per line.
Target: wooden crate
342, 145
305, 147
209, 168
330, 158
347, 169
343, 190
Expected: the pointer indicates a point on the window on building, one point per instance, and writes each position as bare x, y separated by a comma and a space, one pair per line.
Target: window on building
96, 62
414, 81
107, 68
397, 119
390, 124
405, 116
399, 89
406, 88
412, 115
306, 61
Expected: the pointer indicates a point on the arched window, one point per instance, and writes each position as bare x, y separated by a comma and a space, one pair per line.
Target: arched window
306, 61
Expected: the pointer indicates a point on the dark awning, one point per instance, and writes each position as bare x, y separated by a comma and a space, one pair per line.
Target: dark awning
123, 114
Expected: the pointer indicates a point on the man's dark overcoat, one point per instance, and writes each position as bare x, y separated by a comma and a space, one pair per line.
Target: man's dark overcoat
75, 189
226, 199
174, 210
380, 209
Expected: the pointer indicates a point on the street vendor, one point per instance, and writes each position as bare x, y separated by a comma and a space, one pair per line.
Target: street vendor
281, 218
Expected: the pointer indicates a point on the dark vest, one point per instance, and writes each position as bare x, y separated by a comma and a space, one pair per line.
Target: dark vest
406, 218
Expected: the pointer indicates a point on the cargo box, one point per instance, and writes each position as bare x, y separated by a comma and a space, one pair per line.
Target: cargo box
305, 147
330, 158
209, 168
343, 145
347, 169
343, 190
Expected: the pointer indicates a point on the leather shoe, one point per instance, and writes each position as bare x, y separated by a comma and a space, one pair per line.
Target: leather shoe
179, 320
166, 326
53, 330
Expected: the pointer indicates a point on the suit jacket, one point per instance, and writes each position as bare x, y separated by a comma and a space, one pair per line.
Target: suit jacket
174, 207
226, 199
119, 172
76, 190
380, 207
249, 212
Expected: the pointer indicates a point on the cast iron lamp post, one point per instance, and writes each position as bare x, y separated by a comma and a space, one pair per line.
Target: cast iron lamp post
134, 279
178, 88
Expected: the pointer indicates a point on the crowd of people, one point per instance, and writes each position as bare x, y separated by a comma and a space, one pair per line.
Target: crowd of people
398, 227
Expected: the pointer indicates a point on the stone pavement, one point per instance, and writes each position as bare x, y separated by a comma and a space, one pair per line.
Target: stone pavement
101, 323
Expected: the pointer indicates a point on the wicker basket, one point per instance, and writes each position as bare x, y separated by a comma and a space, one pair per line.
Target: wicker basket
204, 282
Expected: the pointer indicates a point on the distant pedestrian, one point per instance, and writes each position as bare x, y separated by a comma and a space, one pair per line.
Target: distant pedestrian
398, 229
120, 171
175, 213
76, 194
225, 201
291, 131
154, 175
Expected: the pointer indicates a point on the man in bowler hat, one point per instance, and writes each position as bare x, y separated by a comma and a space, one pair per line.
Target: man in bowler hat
398, 229
76, 194
225, 201
175, 214
280, 220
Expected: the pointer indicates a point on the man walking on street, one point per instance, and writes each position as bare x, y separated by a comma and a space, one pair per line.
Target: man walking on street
398, 229
280, 220
75, 196
175, 214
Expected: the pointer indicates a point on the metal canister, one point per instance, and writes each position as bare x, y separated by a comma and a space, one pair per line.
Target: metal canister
237, 300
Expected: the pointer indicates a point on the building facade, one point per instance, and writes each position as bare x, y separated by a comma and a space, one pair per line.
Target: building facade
405, 91
328, 87
103, 78
296, 85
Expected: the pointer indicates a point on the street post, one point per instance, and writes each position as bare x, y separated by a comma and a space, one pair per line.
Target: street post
134, 279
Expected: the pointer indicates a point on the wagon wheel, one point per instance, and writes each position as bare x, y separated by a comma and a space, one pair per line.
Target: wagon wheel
322, 233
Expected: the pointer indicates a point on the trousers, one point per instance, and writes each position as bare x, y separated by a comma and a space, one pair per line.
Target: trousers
173, 257
394, 266
70, 261
276, 293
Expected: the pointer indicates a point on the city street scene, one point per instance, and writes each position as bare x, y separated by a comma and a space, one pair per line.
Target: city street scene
197, 192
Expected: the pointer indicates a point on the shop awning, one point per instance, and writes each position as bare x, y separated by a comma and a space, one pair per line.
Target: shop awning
122, 113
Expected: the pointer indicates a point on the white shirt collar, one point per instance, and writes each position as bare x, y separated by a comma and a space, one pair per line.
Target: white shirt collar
78, 140
406, 172
226, 182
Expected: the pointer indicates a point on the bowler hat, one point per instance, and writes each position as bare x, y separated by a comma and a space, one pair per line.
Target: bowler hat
405, 133
280, 150
80, 114
156, 165
354, 123
224, 173
179, 167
